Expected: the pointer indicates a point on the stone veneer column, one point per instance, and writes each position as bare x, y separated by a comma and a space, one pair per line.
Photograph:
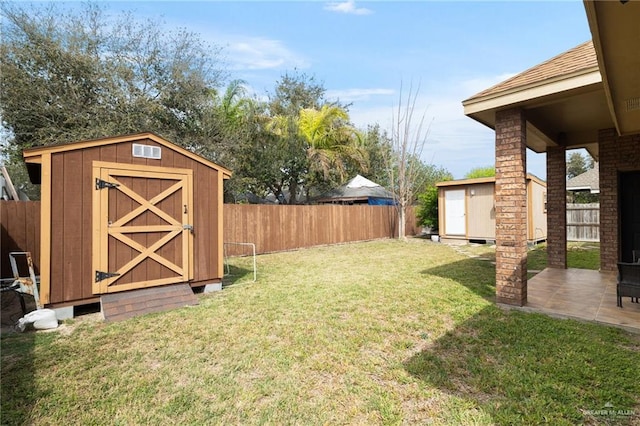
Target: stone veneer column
556, 207
608, 153
511, 207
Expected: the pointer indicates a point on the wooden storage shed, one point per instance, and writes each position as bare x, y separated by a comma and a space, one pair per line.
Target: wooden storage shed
466, 210
125, 213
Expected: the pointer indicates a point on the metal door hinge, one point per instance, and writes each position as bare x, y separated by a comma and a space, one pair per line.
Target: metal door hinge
104, 275
102, 184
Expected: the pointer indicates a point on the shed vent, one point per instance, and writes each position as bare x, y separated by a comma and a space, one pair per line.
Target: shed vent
147, 151
632, 104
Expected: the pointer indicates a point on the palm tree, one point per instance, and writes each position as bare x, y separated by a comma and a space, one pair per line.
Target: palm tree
233, 103
331, 141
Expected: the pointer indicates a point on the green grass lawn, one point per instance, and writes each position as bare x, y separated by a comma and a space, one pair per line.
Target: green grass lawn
382, 332
579, 255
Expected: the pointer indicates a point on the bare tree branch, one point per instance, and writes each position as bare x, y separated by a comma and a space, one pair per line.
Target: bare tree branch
404, 166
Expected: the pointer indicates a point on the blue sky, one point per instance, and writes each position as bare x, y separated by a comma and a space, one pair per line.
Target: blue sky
363, 52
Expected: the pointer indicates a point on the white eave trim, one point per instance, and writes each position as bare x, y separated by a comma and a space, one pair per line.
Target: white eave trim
533, 91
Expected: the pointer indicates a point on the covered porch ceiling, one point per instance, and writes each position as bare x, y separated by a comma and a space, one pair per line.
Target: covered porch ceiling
615, 27
570, 97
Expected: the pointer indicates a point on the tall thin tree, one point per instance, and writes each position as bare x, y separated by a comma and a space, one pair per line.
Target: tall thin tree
408, 139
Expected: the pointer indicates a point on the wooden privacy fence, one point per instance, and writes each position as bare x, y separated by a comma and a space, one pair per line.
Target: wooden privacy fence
271, 228
275, 228
20, 231
583, 222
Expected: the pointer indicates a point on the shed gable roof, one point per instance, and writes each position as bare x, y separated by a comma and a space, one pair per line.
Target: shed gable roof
33, 155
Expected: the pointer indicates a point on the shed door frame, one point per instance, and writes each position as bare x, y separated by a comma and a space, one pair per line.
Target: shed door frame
175, 227
455, 212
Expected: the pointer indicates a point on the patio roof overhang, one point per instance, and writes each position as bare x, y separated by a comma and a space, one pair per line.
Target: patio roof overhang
563, 98
568, 98
616, 37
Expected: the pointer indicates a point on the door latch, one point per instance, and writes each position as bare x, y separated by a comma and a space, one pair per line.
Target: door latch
189, 227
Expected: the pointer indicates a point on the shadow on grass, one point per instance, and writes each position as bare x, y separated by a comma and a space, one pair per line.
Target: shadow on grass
236, 274
477, 275
522, 368
18, 392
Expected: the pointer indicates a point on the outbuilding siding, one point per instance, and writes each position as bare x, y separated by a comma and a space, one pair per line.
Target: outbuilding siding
70, 252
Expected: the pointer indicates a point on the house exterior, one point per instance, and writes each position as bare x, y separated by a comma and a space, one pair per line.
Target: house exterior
358, 190
587, 97
466, 210
588, 181
125, 213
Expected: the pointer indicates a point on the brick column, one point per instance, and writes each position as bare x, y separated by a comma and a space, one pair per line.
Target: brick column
511, 207
608, 149
556, 207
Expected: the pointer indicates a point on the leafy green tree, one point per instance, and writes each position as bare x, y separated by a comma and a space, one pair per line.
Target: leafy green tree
330, 140
294, 92
377, 144
577, 164
332, 145
427, 212
258, 158
298, 144
287, 150
287, 147
585, 198
75, 74
481, 172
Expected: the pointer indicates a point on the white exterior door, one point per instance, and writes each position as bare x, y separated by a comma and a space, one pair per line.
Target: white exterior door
454, 208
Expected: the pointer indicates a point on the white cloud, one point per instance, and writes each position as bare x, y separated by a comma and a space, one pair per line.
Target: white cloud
257, 53
348, 7
353, 95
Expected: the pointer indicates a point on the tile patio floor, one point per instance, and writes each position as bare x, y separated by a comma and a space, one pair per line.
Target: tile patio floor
581, 294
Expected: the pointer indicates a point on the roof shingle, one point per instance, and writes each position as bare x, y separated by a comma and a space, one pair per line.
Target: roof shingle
579, 58
588, 180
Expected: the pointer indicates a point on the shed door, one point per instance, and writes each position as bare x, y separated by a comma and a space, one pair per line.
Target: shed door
454, 209
142, 226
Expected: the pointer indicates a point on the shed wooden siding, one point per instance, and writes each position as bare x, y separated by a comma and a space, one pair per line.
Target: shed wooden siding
480, 209
72, 189
20, 231
481, 213
536, 210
